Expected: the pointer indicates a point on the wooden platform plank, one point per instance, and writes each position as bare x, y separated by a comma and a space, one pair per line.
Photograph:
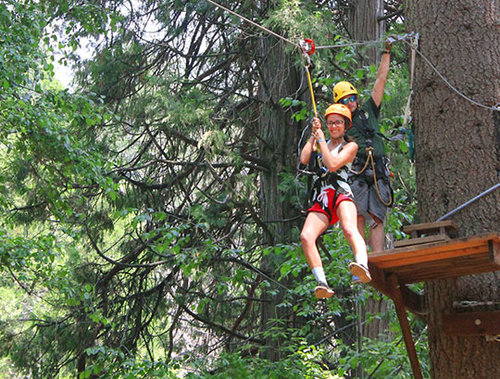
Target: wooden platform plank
438, 250
433, 257
430, 227
421, 240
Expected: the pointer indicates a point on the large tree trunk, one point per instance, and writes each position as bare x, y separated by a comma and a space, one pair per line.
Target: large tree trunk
278, 133
363, 25
457, 147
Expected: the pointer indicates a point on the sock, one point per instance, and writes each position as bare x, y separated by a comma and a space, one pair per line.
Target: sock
319, 274
362, 259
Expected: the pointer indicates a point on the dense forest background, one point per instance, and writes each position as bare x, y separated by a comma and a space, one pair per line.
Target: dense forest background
150, 213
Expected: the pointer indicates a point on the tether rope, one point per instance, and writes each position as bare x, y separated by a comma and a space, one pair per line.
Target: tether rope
443, 78
369, 159
414, 46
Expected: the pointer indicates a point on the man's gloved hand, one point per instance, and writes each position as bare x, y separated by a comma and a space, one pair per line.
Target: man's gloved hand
388, 46
389, 41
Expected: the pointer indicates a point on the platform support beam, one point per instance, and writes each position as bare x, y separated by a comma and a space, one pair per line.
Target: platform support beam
494, 249
412, 301
397, 297
486, 323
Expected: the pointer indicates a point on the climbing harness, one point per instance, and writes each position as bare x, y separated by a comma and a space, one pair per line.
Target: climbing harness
338, 180
370, 160
367, 131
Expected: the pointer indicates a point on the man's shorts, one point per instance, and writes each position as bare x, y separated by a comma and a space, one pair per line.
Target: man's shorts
319, 204
366, 198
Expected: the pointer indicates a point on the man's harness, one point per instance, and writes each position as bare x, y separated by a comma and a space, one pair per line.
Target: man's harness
378, 167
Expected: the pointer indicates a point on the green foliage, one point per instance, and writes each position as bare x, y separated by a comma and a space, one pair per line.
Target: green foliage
385, 359
113, 363
299, 108
304, 363
131, 240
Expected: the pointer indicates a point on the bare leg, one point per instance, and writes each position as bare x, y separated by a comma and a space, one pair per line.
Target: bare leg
377, 236
316, 223
361, 225
347, 214
349, 222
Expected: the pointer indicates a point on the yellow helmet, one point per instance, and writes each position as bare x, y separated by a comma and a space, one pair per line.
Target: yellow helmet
342, 110
342, 89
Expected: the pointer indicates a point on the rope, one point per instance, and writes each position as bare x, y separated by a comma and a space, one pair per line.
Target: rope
369, 158
468, 202
377, 190
494, 108
397, 38
414, 46
309, 81
369, 150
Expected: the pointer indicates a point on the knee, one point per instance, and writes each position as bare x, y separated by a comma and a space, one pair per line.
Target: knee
350, 231
307, 238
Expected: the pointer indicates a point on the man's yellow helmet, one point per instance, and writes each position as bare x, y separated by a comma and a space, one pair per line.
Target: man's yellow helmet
343, 89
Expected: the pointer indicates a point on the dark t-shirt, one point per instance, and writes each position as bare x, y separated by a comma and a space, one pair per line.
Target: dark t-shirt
366, 118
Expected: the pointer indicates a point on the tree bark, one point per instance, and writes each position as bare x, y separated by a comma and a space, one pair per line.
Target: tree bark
457, 157
278, 133
363, 25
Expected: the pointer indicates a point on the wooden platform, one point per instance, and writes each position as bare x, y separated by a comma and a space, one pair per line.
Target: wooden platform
430, 261
427, 233
429, 255
439, 260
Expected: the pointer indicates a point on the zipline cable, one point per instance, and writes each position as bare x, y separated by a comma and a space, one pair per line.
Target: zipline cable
443, 78
353, 43
253, 23
468, 202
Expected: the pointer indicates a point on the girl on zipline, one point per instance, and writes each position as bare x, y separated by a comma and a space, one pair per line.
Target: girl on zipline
332, 196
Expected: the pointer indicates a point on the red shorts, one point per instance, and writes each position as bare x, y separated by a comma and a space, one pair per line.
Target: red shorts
318, 206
